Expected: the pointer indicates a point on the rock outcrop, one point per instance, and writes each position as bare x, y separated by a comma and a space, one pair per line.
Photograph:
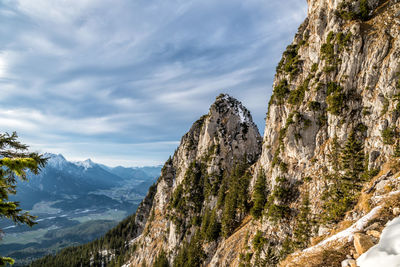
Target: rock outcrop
331, 136
362, 243
215, 147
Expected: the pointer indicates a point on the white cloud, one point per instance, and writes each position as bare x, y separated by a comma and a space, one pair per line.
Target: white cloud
134, 71
26, 120
2, 67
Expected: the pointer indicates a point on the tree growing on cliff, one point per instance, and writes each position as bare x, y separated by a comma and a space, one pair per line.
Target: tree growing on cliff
15, 161
259, 196
344, 186
236, 200
161, 260
303, 228
191, 253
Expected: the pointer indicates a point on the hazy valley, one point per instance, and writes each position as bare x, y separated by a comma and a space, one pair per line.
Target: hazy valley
75, 202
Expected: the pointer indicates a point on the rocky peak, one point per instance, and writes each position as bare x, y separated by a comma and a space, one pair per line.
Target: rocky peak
86, 164
56, 160
210, 152
227, 104
222, 137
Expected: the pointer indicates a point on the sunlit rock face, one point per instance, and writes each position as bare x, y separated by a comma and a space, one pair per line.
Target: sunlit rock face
218, 141
339, 76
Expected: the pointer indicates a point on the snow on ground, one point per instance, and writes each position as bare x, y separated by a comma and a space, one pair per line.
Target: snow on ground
387, 252
87, 164
349, 232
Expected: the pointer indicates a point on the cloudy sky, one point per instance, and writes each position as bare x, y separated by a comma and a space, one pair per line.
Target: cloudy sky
120, 81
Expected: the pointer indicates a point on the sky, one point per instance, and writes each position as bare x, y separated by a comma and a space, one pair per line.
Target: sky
122, 81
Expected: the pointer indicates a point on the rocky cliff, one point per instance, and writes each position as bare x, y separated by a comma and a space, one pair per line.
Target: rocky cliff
331, 135
319, 187
195, 182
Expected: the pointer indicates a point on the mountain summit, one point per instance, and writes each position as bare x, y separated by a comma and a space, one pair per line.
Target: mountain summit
205, 172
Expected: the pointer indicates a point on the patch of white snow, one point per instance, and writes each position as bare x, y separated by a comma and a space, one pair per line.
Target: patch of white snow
349, 232
242, 117
85, 164
56, 161
387, 252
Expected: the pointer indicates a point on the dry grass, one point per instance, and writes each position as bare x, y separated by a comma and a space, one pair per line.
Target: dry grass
364, 203
228, 254
395, 165
333, 253
317, 239
328, 257
343, 225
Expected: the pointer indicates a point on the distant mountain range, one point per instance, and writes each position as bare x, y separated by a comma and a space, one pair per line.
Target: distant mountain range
62, 178
75, 202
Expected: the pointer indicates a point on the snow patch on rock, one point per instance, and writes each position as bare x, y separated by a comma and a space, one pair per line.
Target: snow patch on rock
86, 164
56, 160
387, 251
349, 232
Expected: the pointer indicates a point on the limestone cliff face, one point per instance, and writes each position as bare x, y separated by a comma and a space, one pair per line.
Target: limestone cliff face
340, 75
213, 147
363, 60
332, 123
337, 76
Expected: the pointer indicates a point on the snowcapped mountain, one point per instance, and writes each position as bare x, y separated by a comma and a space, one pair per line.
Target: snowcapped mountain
75, 202
86, 164
61, 177
56, 160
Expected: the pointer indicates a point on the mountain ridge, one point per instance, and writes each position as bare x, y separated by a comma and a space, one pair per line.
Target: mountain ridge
324, 174
75, 203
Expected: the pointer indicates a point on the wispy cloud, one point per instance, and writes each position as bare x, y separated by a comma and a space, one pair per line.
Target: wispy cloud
133, 72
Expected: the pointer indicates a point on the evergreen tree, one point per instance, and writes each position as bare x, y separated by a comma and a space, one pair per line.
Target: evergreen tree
191, 254
397, 149
259, 196
342, 192
193, 186
214, 227
205, 222
259, 241
277, 206
236, 199
302, 231
229, 221
222, 193
352, 158
15, 161
161, 260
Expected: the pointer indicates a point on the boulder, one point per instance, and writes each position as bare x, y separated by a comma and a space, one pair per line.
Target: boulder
396, 211
374, 233
349, 263
362, 243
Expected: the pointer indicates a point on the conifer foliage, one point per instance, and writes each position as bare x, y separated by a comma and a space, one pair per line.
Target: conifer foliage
15, 161
191, 254
345, 182
161, 260
259, 195
302, 232
236, 200
352, 157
